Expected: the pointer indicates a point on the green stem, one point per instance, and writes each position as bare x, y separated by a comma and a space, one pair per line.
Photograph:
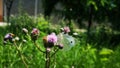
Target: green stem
22, 57
47, 65
38, 48
54, 55
54, 52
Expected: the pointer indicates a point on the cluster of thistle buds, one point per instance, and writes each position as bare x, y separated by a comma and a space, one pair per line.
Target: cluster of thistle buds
10, 37
49, 41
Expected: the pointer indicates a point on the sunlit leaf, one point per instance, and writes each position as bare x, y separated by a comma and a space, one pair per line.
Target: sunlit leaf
106, 51
104, 59
92, 3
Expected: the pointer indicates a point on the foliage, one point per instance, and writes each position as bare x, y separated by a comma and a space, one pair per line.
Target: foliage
19, 22
79, 10
95, 54
103, 35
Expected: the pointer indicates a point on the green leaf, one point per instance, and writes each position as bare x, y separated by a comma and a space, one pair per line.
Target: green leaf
66, 66
104, 59
92, 3
103, 2
106, 51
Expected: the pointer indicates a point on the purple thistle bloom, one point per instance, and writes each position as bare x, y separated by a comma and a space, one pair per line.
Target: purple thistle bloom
8, 36
52, 38
34, 34
66, 29
35, 31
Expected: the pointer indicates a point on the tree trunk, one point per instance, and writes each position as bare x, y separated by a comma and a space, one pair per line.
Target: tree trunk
89, 21
8, 8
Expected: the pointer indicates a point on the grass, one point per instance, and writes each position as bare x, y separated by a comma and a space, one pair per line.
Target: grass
80, 56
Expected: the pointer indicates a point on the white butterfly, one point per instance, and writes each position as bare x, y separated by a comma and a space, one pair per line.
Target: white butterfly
67, 40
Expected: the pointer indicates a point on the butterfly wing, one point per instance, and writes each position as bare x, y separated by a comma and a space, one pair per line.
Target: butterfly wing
67, 40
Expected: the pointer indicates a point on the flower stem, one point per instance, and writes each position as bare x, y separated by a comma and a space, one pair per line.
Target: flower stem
54, 52
22, 57
47, 65
38, 48
54, 56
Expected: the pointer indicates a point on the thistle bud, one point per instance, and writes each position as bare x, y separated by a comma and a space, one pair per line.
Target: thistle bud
24, 41
75, 34
34, 34
60, 46
17, 38
25, 30
66, 30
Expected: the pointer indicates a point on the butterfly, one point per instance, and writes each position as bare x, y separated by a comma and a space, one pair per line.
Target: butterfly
67, 40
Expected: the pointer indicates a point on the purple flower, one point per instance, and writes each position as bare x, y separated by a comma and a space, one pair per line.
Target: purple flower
34, 34
52, 38
35, 31
8, 36
66, 29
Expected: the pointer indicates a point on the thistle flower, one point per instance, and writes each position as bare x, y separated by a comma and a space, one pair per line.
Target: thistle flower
35, 31
50, 40
66, 29
25, 30
34, 34
9, 37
